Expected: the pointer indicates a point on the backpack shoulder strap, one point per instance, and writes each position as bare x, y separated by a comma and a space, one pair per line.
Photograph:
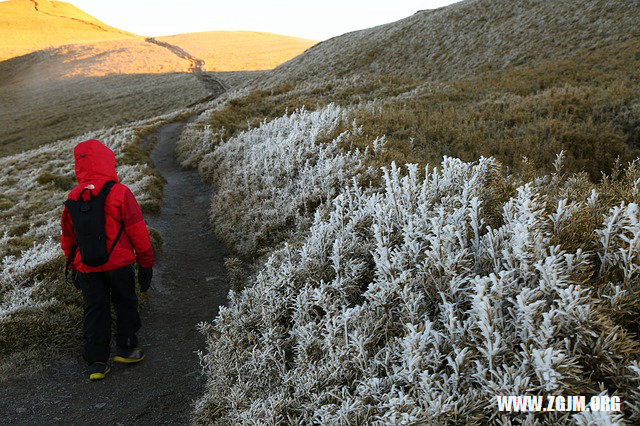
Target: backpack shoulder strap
115, 241
106, 188
72, 255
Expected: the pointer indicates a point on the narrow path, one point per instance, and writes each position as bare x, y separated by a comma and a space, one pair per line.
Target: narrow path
213, 84
189, 284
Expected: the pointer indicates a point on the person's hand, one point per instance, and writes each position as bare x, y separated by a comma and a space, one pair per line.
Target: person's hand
144, 278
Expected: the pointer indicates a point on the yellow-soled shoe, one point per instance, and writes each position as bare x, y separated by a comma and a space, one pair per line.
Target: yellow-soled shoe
98, 370
129, 356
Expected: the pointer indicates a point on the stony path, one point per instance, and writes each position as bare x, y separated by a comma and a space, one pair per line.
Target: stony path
214, 85
189, 284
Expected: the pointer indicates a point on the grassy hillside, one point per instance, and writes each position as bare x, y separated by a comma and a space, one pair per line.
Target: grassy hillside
60, 93
388, 294
467, 38
29, 25
533, 97
76, 74
240, 50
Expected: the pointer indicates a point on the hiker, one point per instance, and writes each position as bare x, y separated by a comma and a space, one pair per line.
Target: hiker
103, 235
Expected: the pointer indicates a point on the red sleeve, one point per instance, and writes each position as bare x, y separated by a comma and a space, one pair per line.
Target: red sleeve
136, 230
68, 236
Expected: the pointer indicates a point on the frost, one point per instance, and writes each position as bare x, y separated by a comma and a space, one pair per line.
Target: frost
402, 305
276, 175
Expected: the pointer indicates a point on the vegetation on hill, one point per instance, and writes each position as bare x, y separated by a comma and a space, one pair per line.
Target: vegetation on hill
410, 295
586, 105
465, 39
415, 294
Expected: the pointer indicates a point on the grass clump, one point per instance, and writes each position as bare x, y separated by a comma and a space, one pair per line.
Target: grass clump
237, 274
64, 183
5, 202
156, 239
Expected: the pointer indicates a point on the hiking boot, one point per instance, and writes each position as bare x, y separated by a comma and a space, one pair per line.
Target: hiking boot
98, 370
128, 355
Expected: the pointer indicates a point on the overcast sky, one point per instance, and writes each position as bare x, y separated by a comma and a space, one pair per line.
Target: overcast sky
316, 20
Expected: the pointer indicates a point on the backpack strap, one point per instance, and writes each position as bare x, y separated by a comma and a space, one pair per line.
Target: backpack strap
115, 241
72, 255
105, 190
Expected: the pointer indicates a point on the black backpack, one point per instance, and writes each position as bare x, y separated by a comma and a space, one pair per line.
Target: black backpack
88, 221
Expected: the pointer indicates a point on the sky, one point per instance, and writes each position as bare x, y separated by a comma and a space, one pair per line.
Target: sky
315, 20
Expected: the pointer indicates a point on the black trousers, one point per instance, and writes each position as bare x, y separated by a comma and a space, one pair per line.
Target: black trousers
100, 289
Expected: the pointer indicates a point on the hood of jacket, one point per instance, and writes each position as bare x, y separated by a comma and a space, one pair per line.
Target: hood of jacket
94, 162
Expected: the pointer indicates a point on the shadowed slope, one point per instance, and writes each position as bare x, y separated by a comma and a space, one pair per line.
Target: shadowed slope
59, 93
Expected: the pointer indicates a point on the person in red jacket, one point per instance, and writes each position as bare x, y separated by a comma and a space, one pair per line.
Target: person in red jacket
113, 281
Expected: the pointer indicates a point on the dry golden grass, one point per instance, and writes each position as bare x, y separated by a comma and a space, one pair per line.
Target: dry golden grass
240, 50
129, 56
23, 29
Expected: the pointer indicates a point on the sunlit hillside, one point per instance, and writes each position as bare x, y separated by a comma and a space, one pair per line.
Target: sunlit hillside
60, 93
27, 26
128, 56
240, 50
63, 72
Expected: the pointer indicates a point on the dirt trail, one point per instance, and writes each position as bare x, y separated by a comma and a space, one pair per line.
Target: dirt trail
189, 284
213, 84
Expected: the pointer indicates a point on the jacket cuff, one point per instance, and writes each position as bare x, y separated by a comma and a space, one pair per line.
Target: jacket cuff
145, 258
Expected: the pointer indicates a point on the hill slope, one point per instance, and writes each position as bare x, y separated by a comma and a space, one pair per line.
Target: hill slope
60, 93
240, 50
467, 38
28, 25
64, 73
417, 295
477, 78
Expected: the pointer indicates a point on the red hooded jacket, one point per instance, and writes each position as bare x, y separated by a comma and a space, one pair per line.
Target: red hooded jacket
96, 164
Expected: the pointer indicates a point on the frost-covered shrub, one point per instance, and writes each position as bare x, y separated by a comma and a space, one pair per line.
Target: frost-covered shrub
197, 138
200, 142
403, 305
271, 179
16, 293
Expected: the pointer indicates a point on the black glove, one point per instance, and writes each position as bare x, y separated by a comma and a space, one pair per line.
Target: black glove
144, 278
